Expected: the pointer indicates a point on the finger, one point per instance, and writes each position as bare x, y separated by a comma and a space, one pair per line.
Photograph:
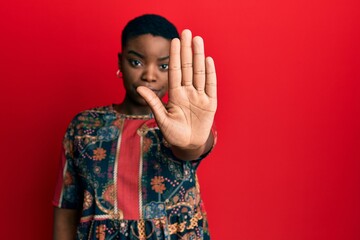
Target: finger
199, 64
174, 65
154, 102
186, 58
210, 85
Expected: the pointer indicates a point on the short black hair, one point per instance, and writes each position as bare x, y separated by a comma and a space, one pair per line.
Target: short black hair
148, 24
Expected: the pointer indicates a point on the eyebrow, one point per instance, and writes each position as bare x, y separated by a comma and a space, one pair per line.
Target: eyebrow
136, 54
164, 58
142, 57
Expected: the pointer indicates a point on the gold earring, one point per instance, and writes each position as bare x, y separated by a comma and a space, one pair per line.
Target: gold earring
119, 74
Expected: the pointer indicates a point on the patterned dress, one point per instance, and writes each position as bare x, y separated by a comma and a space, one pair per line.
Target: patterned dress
120, 172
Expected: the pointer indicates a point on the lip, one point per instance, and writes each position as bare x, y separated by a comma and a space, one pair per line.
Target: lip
157, 92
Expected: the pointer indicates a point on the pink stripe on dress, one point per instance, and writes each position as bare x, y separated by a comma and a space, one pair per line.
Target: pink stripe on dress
128, 170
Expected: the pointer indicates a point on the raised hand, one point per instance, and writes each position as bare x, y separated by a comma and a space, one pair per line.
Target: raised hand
187, 119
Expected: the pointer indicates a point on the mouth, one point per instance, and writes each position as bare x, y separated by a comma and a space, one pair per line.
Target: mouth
156, 91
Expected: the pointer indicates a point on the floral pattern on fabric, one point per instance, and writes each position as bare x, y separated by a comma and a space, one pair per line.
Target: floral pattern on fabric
121, 173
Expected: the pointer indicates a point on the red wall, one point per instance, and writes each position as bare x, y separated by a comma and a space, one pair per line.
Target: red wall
286, 166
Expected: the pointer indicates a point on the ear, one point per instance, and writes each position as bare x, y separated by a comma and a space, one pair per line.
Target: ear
119, 61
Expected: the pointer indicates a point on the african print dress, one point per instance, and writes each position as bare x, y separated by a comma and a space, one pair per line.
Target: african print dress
120, 172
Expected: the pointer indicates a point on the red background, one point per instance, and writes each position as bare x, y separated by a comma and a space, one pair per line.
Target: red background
286, 166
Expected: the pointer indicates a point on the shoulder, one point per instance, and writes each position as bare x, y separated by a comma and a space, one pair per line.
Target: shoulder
93, 118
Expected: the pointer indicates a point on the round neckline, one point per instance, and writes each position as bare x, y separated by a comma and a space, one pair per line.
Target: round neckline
130, 116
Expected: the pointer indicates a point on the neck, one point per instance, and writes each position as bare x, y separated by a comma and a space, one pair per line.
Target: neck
130, 108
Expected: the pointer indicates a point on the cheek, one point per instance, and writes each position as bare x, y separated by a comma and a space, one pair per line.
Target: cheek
131, 77
165, 80
131, 73
166, 87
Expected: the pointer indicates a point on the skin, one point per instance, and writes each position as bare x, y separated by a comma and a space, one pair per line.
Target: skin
187, 119
144, 62
151, 66
65, 223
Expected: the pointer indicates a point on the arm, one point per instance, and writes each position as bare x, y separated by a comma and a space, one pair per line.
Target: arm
65, 223
187, 119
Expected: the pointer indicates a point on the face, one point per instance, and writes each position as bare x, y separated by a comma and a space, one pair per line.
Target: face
144, 62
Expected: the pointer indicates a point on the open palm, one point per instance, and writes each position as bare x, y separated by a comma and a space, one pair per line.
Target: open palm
187, 119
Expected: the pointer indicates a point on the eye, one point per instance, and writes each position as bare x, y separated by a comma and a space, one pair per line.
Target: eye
135, 63
164, 66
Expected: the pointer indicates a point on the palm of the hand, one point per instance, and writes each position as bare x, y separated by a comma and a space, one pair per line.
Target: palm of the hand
188, 117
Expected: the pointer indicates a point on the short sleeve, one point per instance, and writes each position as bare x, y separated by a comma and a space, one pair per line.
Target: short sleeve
67, 192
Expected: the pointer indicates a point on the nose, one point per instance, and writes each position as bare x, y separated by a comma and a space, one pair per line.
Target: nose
149, 74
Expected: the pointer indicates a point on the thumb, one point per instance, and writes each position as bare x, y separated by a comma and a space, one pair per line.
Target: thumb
154, 102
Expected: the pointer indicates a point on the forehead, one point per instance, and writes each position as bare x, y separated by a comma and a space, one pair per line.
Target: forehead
148, 44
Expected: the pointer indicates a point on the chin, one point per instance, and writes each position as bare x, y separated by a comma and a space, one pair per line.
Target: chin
141, 102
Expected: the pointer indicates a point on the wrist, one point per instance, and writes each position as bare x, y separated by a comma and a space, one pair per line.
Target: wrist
193, 152
187, 153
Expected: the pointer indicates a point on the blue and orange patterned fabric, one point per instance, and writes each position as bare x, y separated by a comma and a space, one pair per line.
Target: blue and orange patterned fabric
119, 171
